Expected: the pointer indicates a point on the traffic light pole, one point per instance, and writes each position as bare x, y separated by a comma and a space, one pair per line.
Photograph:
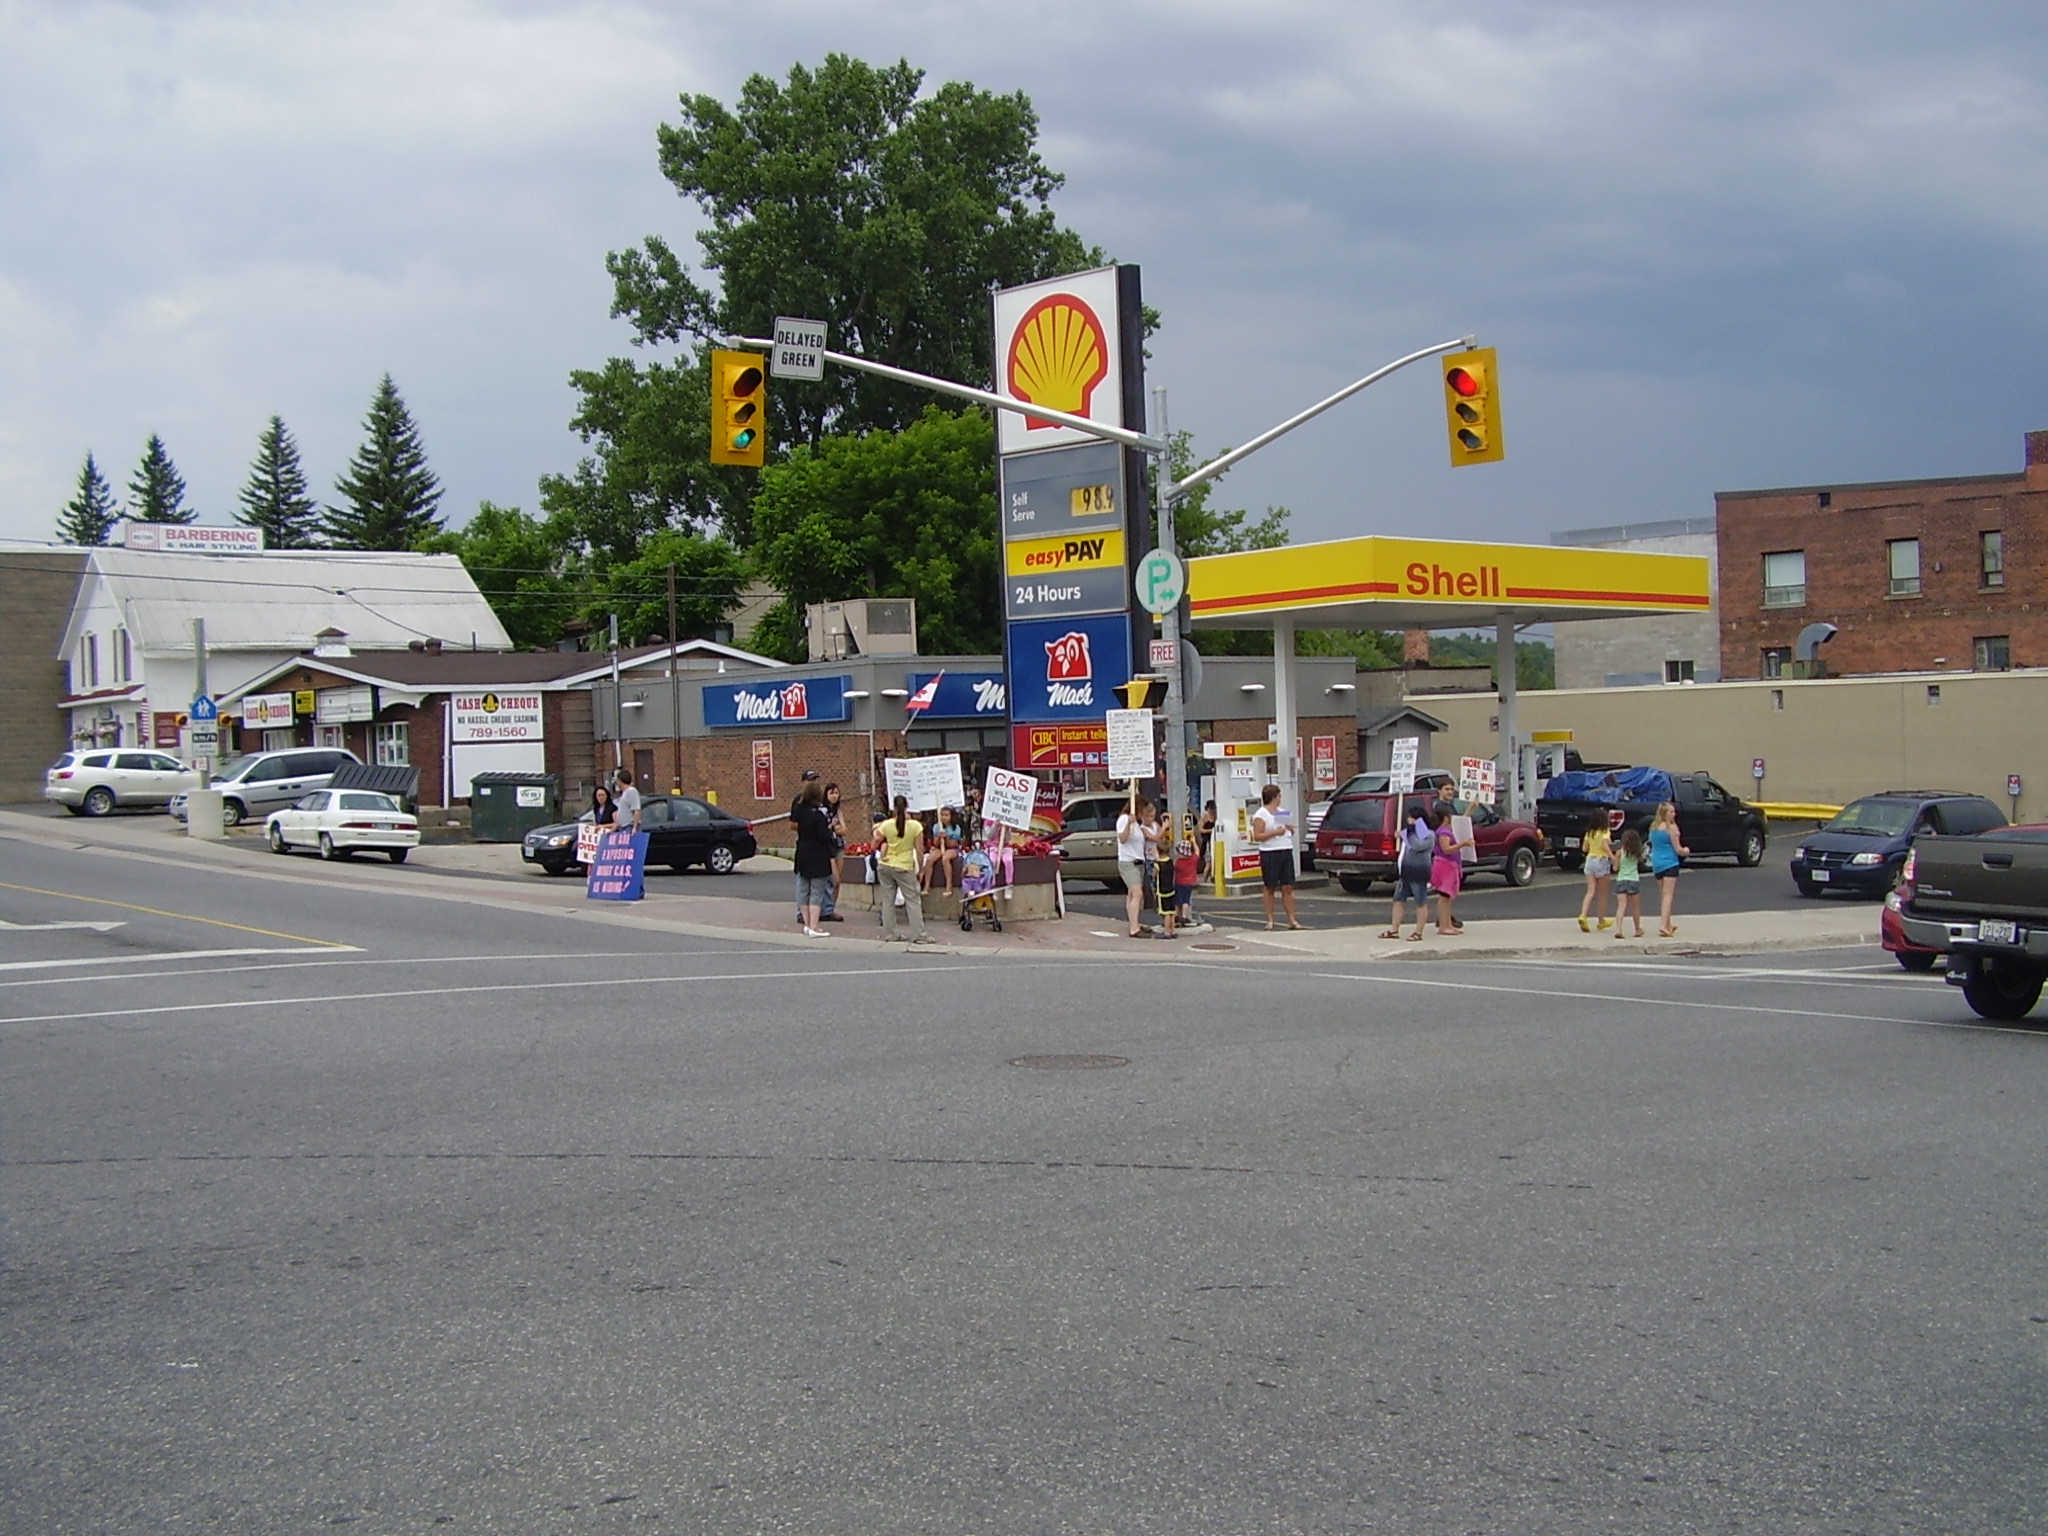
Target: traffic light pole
1177, 701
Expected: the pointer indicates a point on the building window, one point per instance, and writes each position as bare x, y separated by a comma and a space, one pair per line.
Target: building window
389, 747
1677, 671
124, 658
1785, 579
1904, 558
88, 663
1777, 660
1991, 558
1994, 653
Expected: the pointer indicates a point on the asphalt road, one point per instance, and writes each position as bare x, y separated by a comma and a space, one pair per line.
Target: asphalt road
329, 1206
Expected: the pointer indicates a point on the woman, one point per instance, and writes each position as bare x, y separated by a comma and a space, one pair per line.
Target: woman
835, 815
1628, 882
944, 845
1596, 843
1273, 836
1446, 871
1136, 834
816, 850
1667, 853
603, 810
1411, 872
896, 843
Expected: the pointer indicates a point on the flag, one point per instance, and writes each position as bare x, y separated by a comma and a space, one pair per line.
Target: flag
926, 696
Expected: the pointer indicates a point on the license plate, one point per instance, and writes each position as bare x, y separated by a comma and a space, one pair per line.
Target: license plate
1997, 930
1571, 842
526, 853
1820, 876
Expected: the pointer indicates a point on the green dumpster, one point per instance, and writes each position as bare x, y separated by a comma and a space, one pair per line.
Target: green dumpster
504, 807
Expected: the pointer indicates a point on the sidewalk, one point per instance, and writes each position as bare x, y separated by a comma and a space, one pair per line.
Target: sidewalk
493, 874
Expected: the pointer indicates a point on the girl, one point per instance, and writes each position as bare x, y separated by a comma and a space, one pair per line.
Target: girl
1628, 882
1667, 850
1411, 872
1446, 872
815, 851
1597, 844
896, 840
602, 810
945, 848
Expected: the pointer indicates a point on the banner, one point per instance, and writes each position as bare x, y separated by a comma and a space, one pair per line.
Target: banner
618, 869
491, 716
266, 711
1008, 798
1324, 756
926, 782
764, 770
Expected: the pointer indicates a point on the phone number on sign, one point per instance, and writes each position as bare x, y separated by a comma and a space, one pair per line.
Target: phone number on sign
483, 731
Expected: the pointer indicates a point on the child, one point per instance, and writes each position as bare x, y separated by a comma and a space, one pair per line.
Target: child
1597, 846
1446, 871
1628, 882
1187, 874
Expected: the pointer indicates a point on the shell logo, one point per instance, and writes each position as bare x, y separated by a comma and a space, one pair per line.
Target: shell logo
1058, 354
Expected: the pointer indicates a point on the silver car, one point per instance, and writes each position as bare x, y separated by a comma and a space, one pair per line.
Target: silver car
261, 782
95, 781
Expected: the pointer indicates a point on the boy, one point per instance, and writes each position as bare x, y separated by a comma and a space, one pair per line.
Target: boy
1187, 874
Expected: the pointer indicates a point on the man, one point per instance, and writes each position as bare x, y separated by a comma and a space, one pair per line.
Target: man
1273, 836
627, 799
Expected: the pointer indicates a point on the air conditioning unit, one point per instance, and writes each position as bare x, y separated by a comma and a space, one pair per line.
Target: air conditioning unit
865, 626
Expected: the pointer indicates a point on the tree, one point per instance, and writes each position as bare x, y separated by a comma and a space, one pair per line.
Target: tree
391, 493
888, 514
275, 498
844, 195
157, 493
1535, 660
89, 517
1199, 529
518, 564
709, 575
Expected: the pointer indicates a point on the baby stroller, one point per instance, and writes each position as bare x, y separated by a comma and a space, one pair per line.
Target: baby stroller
978, 891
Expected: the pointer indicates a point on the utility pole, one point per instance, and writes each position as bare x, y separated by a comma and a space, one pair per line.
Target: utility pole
675, 694
618, 702
1177, 701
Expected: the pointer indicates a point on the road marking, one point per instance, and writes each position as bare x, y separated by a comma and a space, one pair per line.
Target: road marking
159, 955
358, 957
184, 917
54, 927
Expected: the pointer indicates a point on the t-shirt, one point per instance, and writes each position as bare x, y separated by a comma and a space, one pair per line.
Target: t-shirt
1130, 838
1187, 863
1599, 844
1263, 823
628, 801
899, 850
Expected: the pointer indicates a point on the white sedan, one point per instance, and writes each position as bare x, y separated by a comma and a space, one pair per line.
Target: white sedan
339, 821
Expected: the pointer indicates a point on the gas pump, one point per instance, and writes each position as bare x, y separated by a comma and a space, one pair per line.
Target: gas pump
1542, 758
1242, 771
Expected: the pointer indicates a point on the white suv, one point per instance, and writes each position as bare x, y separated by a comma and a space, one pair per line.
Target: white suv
95, 781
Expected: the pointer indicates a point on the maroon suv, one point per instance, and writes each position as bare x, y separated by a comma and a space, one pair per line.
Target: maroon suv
1357, 841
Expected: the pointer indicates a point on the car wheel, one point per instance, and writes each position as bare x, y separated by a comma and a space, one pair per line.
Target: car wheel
327, 848
2002, 994
722, 860
1751, 853
1571, 863
1521, 865
1915, 959
396, 855
232, 812
1357, 885
277, 842
99, 800
76, 810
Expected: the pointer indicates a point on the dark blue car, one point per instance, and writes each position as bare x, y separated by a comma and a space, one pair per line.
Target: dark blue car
1863, 849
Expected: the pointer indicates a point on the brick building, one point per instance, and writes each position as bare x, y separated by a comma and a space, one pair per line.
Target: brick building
1915, 575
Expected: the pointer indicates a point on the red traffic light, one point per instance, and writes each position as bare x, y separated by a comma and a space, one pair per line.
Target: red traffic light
1462, 381
745, 381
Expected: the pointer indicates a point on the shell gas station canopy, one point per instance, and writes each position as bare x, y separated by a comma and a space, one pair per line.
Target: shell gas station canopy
1399, 583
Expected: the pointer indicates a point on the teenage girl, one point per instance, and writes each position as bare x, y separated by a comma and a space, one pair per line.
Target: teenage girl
1597, 844
1666, 852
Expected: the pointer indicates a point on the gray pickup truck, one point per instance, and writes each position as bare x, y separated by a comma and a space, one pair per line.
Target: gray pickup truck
1983, 902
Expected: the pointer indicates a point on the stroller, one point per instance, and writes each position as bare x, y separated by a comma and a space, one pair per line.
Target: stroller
978, 891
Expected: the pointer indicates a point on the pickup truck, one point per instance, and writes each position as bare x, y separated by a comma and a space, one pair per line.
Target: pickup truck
1712, 822
1982, 901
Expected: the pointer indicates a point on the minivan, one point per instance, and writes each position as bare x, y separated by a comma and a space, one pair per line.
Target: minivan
258, 783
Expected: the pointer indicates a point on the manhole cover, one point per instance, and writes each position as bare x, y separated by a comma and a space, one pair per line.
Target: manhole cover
1069, 1063
1213, 946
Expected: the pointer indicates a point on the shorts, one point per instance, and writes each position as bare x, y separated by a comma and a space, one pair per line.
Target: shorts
1445, 879
813, 890
1665, 874
1628, 887
1599, 869
1411, 885
1276, 868
1183, 896
1134, 873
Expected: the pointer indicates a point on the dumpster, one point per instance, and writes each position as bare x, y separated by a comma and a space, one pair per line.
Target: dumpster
504, 807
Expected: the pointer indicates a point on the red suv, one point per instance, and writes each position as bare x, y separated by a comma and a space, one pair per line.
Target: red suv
1357, 841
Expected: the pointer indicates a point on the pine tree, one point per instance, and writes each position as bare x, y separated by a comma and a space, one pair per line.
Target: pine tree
391, 493
89, 517
157, 493
275, 498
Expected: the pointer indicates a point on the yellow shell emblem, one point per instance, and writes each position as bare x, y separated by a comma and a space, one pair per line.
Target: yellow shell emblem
1058, 354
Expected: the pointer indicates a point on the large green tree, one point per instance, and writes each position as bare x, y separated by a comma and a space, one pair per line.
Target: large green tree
157, 493
887, 514
275, 499
709, 574
518, 565
89, 516
390, 491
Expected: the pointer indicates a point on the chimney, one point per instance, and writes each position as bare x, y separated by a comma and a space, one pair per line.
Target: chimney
1414, 647
2037, 460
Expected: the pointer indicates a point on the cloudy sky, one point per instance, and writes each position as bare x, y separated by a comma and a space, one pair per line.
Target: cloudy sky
1719, 244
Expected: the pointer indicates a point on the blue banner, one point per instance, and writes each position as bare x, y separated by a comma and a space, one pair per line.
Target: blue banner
1068, 669
964, 695
618, 872
799, 701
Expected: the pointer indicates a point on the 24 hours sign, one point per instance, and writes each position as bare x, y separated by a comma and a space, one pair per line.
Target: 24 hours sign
495, 717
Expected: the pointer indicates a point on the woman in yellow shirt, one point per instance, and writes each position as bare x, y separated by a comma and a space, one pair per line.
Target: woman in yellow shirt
896, 845
1596, 843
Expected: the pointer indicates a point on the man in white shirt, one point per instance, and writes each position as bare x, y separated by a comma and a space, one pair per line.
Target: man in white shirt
627, 798
1273, 836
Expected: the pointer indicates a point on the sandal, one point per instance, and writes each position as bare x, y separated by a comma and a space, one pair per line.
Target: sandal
1667, 933
1390, 933
1414, 938
1303, 927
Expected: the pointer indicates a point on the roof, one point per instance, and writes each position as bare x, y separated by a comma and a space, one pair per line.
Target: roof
546, 671
1378, 719
283, 600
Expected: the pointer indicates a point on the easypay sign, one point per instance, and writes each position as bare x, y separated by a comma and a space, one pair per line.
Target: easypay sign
1092, 552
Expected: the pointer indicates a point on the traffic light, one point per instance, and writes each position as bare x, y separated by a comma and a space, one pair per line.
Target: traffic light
739, 409
1472, 407
1142, 692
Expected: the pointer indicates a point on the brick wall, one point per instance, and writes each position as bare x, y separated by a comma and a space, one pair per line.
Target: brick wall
1844, 532
722, 765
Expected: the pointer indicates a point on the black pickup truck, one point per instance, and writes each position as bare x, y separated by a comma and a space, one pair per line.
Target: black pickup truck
1983, 902
1711, 821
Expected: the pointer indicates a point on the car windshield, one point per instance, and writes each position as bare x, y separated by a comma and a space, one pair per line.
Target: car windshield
1365, 813
1879, 818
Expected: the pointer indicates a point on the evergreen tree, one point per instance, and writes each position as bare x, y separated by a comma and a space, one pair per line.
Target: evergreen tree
157, 493
391, 493
275, 498
89, 517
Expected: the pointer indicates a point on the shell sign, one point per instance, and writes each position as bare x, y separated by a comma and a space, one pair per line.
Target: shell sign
1059, 349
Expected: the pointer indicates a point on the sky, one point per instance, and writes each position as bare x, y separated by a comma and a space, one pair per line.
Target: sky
1719, 245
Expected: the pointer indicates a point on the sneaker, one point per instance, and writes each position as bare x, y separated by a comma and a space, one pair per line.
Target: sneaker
816, 933
924, 938
1606, 922
1586, 926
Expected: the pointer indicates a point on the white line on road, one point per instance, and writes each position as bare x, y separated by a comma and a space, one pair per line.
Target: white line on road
357, 958
158, 955
54, 927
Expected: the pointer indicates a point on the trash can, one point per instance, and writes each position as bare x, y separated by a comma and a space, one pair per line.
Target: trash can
504, 807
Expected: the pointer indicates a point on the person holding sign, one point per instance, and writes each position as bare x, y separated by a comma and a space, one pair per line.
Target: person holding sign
1273, 836
1136, 836
1446, 871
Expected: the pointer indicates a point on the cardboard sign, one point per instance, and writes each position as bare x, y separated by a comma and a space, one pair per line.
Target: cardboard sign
1130, 744
618, 869
1007, 798
1401, 764
1461, 829
1476, 779
926, 782
588, 835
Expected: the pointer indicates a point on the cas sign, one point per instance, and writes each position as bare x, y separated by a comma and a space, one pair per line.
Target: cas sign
490, 716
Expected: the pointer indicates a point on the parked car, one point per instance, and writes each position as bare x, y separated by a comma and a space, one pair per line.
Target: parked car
95, 781
339, 821
258, 783
1359, 840
1712, 821
681, 831
1361, 783
1981, 902
1863, 850
1088, 842
1891, 935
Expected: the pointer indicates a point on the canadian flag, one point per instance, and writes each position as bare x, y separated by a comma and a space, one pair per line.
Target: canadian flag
926, 696
1066, 659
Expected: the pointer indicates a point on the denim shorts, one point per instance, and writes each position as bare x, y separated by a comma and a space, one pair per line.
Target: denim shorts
1628, 887
1412, 887
813, 890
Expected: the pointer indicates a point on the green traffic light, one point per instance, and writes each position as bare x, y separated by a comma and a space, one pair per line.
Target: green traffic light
744, 438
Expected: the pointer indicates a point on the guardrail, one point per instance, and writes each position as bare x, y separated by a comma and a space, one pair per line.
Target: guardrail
1796, 810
